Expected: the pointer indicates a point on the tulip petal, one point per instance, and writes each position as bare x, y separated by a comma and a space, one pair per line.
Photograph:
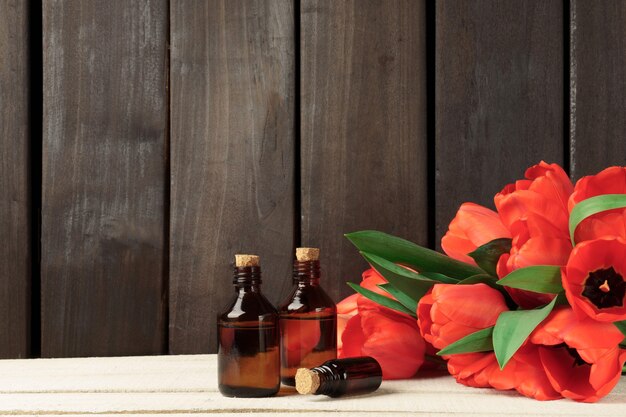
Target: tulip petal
472, 227
352, 338
532, 379
394, 342
458, 304
348, 305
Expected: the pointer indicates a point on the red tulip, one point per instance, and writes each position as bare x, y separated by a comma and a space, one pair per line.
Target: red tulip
451, 312
473, 226
535, 212
348, 308
607, 223
392, 338
595, 279
580, 356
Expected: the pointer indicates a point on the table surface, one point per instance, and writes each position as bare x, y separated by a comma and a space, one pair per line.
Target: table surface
179, 385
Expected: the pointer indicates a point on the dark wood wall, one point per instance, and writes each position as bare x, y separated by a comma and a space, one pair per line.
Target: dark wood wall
143, 143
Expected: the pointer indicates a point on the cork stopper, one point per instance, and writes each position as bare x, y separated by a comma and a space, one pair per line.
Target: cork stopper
307, 254
307, 381
246, 260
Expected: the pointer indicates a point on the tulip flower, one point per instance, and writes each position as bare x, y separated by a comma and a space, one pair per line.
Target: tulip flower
472, 227
392, 338
451, 312
535, 211
580, 356
347, 308
368, 329
595, 279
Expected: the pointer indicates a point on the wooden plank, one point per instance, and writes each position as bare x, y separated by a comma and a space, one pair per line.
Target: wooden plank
499, 97
597, 87
104, 167
458, 402
363, 130
232, 107
15, 255
188, 384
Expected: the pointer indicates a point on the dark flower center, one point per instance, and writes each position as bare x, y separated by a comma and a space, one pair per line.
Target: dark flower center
605, 288
578, 361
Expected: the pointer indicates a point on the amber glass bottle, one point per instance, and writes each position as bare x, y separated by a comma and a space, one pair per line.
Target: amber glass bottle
308, 319
339, 377
248, 353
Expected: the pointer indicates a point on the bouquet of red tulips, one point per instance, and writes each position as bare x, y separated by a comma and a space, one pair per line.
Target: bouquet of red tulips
529, 297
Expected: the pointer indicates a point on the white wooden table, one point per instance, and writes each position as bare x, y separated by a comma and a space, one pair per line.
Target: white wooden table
178, 385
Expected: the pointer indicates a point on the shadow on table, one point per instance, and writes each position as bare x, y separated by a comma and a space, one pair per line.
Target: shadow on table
286, 391
377, 393
289, 391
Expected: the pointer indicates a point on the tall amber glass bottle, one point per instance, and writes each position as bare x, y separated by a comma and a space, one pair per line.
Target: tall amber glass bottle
248, 353
308, 319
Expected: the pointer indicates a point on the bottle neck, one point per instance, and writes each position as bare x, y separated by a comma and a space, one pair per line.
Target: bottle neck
247, 279
306, 272
330, 380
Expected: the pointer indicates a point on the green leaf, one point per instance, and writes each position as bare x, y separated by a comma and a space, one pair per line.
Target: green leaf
592, 206
479, 279
439, 277
544, 279
398, 250
381, 299
404, 299
487, 255
479, 341
513, 328
410, 283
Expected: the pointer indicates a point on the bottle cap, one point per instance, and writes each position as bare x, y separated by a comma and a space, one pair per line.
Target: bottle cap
307, 254
246, 260
307, 381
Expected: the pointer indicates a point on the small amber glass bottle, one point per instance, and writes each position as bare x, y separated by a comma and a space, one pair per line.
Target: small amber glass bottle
248, 353
339, 377
308, 319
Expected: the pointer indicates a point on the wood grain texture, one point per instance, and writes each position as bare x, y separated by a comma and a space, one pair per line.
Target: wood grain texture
232, 116
15, 256
499, 97
104, 167
597, 86
363, 130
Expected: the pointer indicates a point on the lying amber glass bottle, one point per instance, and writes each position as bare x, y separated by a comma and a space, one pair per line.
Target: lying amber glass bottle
338, 377
248, 352
308, 319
